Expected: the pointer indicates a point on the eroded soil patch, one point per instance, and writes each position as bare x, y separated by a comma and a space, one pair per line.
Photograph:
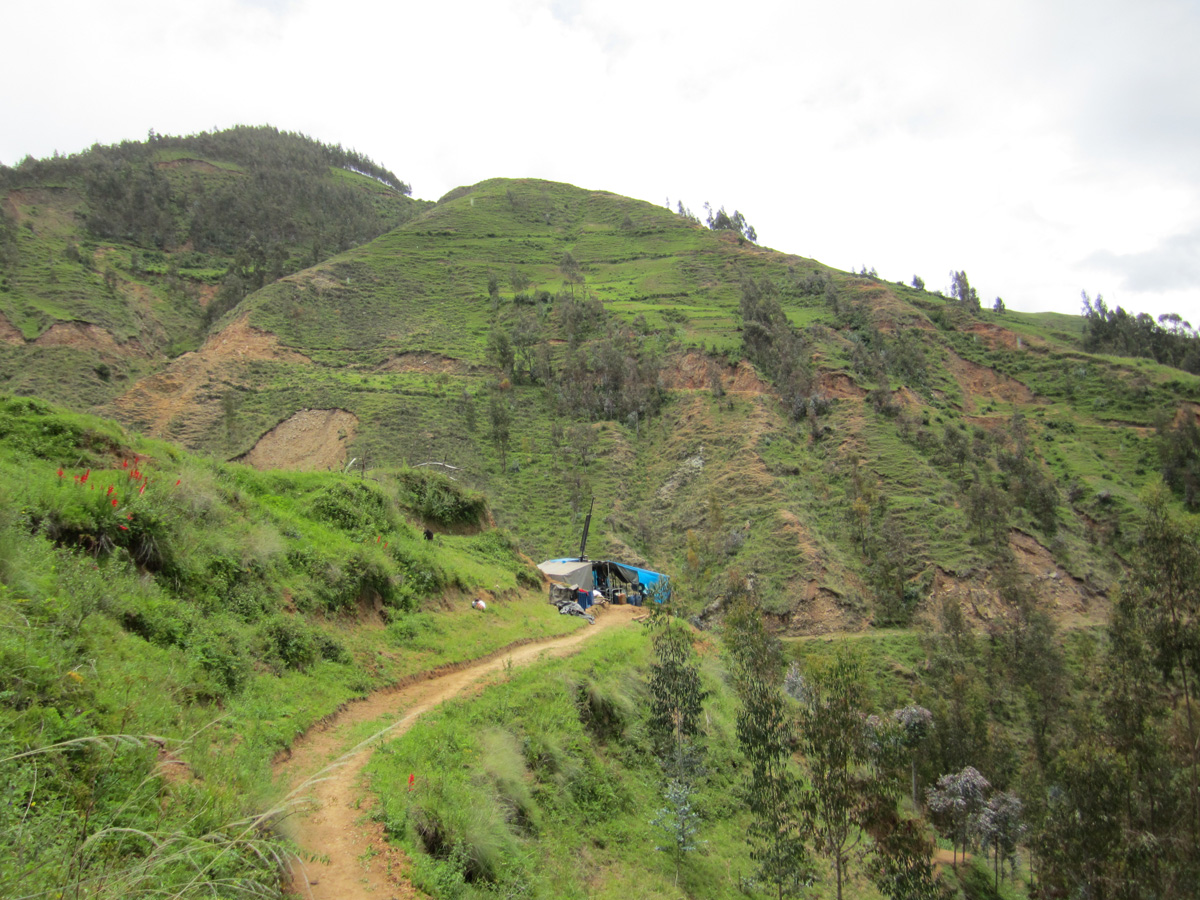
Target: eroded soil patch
979, 384
177, 401
310, 439
694, 371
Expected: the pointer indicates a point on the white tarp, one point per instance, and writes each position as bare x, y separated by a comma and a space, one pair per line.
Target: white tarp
569, 571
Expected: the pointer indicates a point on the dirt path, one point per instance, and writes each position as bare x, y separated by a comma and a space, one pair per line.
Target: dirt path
354, 860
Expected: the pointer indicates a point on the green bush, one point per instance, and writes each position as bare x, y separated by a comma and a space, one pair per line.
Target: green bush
219, 650
436, 499
356, 507
331, 648
288, 643
159, 619
413, 630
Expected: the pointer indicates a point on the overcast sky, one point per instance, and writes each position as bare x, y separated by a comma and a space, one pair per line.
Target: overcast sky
1044, 147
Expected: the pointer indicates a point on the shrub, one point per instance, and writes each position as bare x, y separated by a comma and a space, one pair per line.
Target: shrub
354, 506
434, 498
331, 648
160, 620
288, 643
218, 650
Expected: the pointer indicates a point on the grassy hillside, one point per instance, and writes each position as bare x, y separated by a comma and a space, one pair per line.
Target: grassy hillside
170, 624
728, 405
116, 258
1002, 522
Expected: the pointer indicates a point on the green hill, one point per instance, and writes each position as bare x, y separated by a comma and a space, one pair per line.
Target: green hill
116, 258
161, 609
969, 497
728, 405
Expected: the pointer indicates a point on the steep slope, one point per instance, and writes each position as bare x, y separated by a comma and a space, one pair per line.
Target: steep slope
861, 448
117, 258
329, 767
171, 624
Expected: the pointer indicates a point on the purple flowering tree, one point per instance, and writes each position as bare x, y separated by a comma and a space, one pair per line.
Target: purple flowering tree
956, 802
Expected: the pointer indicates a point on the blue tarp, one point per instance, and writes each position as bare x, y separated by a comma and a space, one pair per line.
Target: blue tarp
655, 584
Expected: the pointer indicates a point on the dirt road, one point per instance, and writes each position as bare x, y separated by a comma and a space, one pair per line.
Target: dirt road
354, 861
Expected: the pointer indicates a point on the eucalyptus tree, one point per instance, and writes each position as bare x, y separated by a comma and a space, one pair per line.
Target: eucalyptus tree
780, 821
957, 800
835, 740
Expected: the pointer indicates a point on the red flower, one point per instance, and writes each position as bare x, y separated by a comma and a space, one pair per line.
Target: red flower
60, 473
124, 464
86, 474
114, 501
411, 780
123, 527
177, 482
142, 489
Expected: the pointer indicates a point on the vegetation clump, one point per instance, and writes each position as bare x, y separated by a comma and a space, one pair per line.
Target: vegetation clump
435, 498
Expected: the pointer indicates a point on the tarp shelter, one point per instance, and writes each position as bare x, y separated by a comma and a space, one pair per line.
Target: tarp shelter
569, 571
606, 574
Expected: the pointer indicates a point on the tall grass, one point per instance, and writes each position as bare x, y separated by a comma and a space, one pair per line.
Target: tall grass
212, 608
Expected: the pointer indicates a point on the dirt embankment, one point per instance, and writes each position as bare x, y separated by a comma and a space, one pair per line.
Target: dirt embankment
178, 401
76, 335
840, 386
816, 608
310, 439
83, 336
995, 336
360, 864
9, 333
1070, 600
694, 371
426, 363
979, 384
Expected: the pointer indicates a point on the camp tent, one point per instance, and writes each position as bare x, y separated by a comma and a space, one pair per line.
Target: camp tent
602, 573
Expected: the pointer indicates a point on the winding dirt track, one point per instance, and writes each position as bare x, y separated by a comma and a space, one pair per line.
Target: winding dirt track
354, 861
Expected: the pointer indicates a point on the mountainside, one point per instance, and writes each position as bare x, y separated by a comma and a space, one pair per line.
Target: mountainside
114, 259
859, 447
994, 516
